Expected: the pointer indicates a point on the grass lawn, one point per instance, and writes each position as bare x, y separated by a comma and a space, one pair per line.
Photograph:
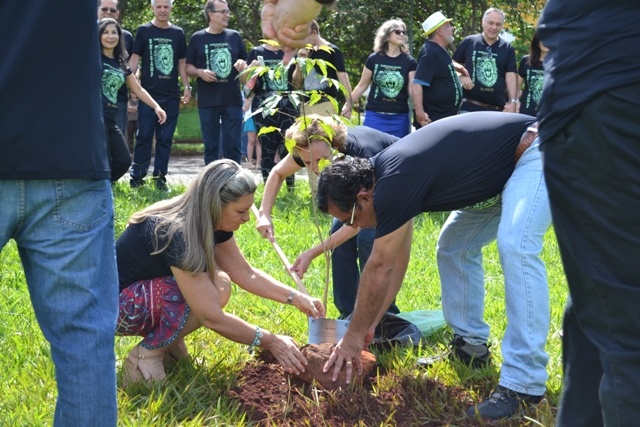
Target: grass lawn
197, 393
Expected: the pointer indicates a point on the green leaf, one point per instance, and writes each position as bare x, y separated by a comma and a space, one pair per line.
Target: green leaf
268, 129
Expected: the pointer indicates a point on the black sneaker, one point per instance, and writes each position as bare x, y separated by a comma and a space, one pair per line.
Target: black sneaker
503, 403
475, 356
161, 183
136, 183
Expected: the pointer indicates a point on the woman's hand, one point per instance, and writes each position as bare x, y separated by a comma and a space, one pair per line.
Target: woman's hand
310, 306
301, 264
284, 349
265, 226
162, 116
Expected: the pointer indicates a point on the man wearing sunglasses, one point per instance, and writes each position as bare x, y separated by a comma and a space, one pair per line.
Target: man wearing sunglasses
109, 9
486, 168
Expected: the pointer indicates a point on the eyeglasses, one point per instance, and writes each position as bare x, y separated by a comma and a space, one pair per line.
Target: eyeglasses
353, 214
224, 12
400, 32
108, 9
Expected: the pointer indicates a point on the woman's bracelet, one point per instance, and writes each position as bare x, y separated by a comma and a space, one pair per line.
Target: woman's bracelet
256, 340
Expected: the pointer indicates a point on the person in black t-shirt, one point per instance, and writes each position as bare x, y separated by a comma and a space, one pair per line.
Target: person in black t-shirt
388, 70
590, 130
437, 92
491, 62
115, 73
162, 48
531, 77
215, 56
109, 9
57, 207
314, 80
314, 146
176, 262
486, 167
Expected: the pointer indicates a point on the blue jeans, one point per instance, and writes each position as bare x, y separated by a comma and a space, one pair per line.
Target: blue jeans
592, 169
519, 223
64, 233
148, 126
210, 118
347, 261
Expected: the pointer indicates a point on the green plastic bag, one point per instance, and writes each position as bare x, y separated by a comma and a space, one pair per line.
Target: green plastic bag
428, 321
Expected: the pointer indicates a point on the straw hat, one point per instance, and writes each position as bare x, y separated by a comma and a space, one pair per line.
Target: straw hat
434, 22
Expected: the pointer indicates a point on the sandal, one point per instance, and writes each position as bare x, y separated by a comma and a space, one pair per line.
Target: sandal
132, 372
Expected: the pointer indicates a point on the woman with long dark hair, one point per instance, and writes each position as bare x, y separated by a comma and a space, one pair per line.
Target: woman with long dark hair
530, 77
115, 73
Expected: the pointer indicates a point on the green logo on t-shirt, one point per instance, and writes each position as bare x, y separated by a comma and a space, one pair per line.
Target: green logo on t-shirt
112, 81
486, 70
162, 53
389, 82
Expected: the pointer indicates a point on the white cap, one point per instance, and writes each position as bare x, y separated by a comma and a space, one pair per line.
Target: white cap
434, 22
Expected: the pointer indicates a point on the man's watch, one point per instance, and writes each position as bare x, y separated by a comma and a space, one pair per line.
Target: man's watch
187, 88
515, 101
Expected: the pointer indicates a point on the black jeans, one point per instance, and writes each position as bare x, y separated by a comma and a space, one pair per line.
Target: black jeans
592, 170
119, 156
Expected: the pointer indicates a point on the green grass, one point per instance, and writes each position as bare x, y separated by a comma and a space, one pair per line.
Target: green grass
188, 127
196, 394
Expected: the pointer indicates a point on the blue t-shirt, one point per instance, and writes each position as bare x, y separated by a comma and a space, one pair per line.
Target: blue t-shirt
441, 88
487, 65
51, 127
218, 53
134, 248
160, 50
389, 91
591, 47
450, 164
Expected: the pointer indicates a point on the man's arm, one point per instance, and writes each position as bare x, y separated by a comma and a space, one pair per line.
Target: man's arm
343, 78
182, 68
134, 60
512, 83
379, 284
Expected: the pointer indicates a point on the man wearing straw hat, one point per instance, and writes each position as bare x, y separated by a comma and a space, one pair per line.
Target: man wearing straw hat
437, 91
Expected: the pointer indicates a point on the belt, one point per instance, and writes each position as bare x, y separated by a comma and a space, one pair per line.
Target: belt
482, 104
525, 142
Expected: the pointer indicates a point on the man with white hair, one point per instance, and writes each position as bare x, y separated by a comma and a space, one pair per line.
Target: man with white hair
491, 62
437, 92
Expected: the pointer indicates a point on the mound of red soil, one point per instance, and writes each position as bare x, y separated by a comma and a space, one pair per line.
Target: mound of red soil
270, 397
317, 356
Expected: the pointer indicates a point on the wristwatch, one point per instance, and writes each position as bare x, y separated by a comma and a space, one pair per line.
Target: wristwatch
515, 101
326, 2
187, 88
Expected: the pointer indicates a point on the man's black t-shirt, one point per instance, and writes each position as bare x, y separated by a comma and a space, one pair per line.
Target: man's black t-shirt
488, 65
134, 248
313, 81
450, 164
128, 45
591, 51
265, 85
218, 53
160, 50
362, 141
51, 126
443, 96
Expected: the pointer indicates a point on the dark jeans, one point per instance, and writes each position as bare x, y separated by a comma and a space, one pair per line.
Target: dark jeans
119, 157
148, 126
210, 118
592, 169
347, 261
273, 142
122, 116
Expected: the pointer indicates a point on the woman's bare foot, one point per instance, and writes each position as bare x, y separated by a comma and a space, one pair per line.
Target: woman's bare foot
176, 352
143, 364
